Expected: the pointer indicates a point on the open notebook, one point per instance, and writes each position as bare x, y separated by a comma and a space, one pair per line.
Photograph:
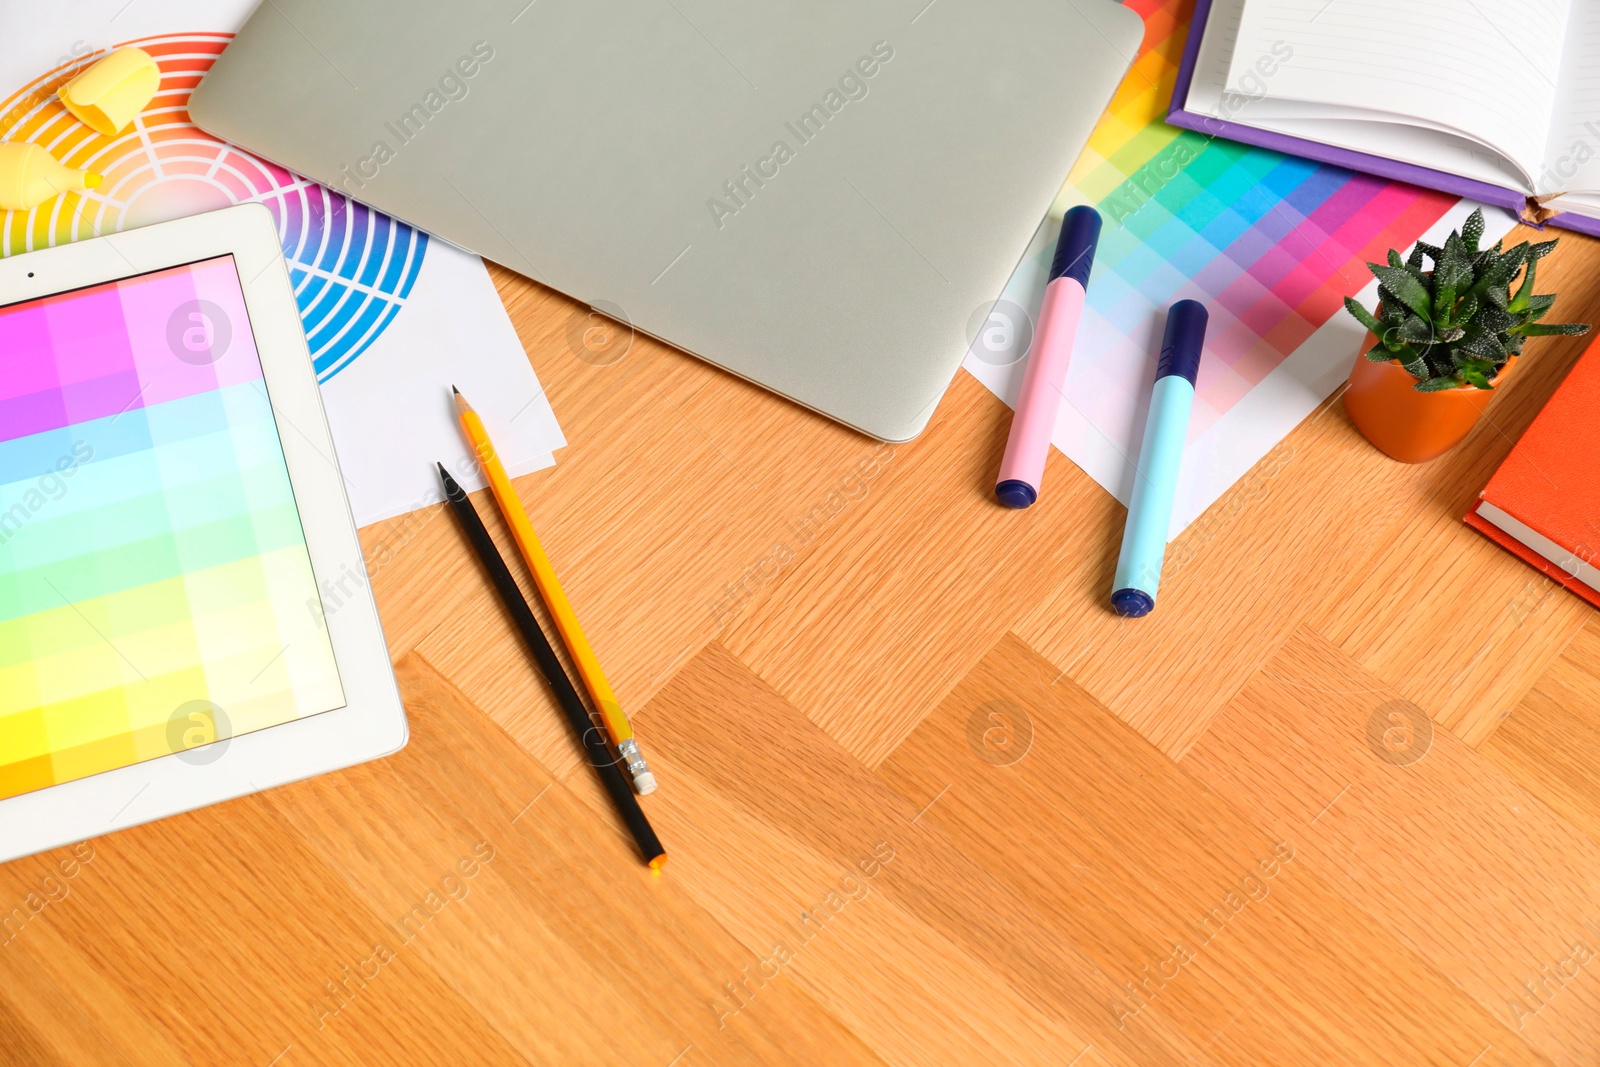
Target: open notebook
1498, 102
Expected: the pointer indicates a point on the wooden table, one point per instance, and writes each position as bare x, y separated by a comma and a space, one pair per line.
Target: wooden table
927, 800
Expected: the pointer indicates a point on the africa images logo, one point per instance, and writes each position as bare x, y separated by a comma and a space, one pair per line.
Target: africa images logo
453, 85
738, 191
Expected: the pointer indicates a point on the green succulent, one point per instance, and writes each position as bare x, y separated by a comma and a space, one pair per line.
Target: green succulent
1459, 322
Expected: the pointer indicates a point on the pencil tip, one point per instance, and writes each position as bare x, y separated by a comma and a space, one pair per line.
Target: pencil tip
451, 486
454, 390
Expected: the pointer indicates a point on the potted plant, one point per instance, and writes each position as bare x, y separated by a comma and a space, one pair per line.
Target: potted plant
1442, 338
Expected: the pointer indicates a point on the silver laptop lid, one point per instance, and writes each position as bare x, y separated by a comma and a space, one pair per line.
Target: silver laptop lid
816, 196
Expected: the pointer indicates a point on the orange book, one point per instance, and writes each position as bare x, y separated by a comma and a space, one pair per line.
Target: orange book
1544, 502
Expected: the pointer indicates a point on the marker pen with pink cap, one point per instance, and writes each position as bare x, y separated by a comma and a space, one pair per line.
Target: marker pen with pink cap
1027, 447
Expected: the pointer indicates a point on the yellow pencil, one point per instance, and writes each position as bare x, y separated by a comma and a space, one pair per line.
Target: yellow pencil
544, 576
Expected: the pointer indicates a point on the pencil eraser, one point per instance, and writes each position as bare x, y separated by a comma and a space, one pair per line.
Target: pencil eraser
644, 783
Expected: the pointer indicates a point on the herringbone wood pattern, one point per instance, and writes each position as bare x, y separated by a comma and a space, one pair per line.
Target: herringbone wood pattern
927, 801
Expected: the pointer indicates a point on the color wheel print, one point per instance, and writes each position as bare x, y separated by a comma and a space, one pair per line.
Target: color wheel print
352, 268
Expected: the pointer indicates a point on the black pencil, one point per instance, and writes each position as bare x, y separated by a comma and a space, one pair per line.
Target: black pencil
554, 673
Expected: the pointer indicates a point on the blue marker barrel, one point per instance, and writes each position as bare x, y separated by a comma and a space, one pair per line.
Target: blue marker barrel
1144, 539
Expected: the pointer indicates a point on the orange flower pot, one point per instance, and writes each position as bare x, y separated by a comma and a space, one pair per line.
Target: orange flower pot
1410, 426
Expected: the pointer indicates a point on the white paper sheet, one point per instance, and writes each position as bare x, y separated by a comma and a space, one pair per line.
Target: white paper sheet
392, 412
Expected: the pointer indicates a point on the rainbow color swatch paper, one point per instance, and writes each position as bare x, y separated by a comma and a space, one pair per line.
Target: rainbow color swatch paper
1269, 243
156, 592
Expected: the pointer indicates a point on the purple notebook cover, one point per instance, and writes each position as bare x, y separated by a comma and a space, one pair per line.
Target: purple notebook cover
1511, 200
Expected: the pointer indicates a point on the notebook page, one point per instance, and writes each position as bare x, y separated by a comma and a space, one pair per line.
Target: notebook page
1218, 39
1435, 149
1572, 155
1337, 126
1484, 69
1207, 92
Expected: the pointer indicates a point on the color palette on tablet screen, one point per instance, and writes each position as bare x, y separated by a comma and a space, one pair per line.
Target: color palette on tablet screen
352, 268
156, 593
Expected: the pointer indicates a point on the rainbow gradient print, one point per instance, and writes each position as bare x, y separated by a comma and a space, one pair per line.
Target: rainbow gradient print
1269, 243
155, 589
352, 267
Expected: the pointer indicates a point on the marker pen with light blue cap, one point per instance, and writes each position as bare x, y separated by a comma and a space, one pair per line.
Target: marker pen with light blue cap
1028, 445
1144, 539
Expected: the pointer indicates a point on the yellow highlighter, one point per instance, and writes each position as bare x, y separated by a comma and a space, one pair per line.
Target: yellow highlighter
544, 576
29, 176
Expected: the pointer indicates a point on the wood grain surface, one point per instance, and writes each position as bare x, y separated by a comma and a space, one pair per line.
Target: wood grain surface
928, 801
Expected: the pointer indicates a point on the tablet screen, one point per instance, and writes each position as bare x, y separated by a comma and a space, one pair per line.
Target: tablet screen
156, 593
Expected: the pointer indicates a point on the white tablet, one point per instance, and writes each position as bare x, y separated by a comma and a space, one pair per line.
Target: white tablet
184, 610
